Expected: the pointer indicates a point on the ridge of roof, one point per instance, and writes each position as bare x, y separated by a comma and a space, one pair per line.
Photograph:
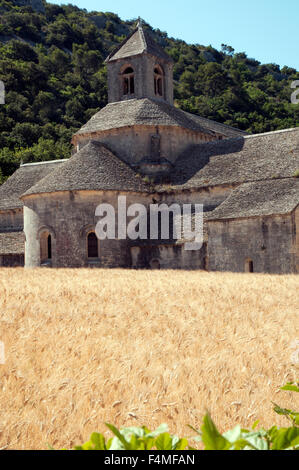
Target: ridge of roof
280, 131
44, 162
229, 131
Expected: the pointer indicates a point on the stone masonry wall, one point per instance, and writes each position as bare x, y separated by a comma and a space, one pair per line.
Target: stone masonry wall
69, 216
168, 257
267, 241
132, 144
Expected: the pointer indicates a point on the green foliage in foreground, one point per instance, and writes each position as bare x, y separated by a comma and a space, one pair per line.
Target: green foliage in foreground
141, 438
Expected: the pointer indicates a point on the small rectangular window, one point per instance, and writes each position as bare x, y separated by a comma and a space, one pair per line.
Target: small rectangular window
92, 245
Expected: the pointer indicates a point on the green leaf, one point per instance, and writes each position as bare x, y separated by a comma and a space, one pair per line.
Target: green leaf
291, 387
149, 443
116, 444
164, 442
242, 444
284, 438
295, 442
98, 440
119, 436
233, 435
160, 430
293, 415
108, 445
283, 411
135, 430
181, 444
211, 437
257, 442
87, 446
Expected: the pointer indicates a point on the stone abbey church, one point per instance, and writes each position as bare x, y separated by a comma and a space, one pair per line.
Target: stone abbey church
142, 147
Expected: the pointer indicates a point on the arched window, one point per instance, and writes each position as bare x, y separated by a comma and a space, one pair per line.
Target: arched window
45, 247
158, 81
92, 245
155, 264
128, 81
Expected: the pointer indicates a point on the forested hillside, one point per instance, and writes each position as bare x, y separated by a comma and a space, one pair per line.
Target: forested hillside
51, 61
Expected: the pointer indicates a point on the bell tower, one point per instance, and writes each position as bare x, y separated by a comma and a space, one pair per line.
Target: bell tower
139, 68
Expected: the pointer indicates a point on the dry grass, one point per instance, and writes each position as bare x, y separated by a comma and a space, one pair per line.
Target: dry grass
86, 346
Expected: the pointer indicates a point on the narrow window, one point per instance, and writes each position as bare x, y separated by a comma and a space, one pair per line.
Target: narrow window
126, 86
49, 247
132, 85
45, 247
249, 266
92, 245
158, 81
159, 84
128, 81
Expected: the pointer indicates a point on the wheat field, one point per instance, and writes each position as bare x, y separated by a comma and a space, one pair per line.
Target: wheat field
85, 347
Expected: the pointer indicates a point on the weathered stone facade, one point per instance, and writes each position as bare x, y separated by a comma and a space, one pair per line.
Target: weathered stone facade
269, 242
142, 147
132, 144
69, 216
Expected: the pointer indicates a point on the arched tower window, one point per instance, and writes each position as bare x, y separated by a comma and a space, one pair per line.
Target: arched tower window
158, 81
92, 245
45, 247
128, 81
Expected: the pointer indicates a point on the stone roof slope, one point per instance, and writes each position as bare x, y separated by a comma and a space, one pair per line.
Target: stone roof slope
259, 199
152, 112
21, 180
239, 160
138, 42
218, 127
12, 243
93, 168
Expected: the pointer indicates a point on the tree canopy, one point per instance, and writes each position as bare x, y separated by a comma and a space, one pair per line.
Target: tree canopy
53, 68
